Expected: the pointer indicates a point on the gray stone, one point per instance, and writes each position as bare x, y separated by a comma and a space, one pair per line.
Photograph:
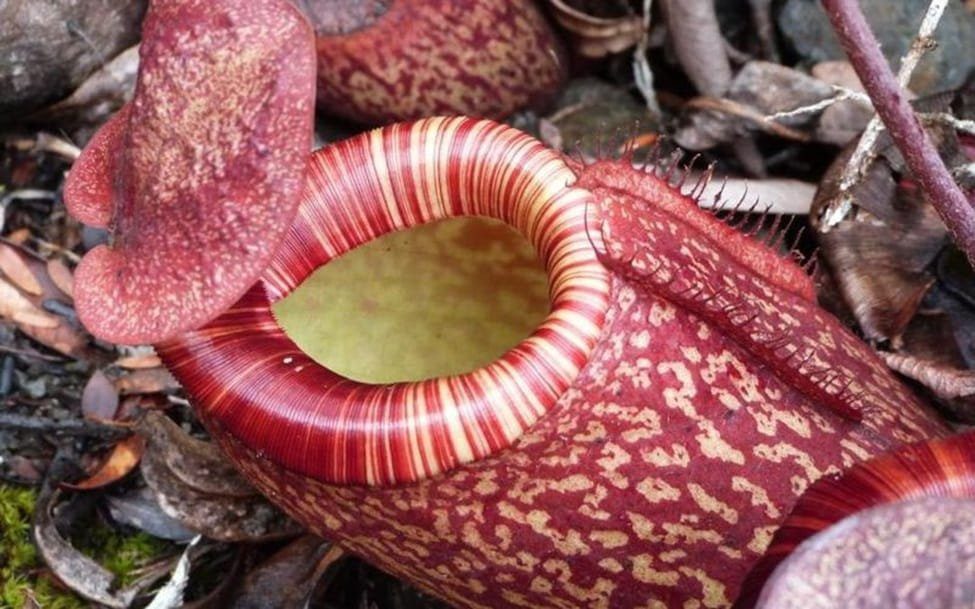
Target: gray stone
805, 27
48, 47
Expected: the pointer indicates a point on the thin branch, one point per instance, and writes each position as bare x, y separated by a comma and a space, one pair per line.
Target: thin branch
642, 73
864, 153
905, 129
950, 120
68, 427
839, 94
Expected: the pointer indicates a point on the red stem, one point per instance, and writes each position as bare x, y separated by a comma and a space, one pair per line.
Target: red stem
919, 152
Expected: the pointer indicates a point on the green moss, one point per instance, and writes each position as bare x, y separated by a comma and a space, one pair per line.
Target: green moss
122, 555
19, 562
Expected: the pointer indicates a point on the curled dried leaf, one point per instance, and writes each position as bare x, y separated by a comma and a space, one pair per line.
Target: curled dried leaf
596, 36
146, 380
102, 93
61, 275
50, 330
219, 517
77, 571
123, 459
196, 463
288, 577
138, 509
139, 362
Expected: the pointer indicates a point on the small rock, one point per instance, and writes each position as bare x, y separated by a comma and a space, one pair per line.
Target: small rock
48, 48
36, 388
806, 28
592, 114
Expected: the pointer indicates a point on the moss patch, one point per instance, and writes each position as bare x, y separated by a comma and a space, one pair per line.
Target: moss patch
120, 554
19, 562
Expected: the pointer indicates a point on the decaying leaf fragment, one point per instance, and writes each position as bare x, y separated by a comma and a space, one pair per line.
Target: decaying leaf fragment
76, 570
595, 35
190, 488
123, 458
288, 577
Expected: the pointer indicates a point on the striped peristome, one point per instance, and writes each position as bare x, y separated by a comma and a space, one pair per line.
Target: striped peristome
385, 180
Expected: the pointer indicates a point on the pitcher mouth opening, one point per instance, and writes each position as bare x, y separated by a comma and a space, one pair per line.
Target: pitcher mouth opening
249, 377
439, 299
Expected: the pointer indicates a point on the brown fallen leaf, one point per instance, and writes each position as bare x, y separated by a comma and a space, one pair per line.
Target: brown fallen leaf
61, 275
101, 94
139, 362
38, 269
138, 509
218, 517
289, 576
39, 320
597, 36
78, 572
881, 252
63, 338
15, 267
25, 471
759, 91
196, 463
19, 236
219, 596
131, 406
13, 303
122, 460
147, 380
99, 400
50, 330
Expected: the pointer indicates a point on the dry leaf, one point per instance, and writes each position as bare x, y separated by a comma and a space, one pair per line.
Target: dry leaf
99, 400
19, 236
100, 94
288, 577
139, 362
194, 484
122, 460
148, 380
138, 509
14, 266
61, 275
77, 571
63, 338
219, 517
170, 596
758, 91
13, 302
50, 330
196, 463
38, 319
597, 37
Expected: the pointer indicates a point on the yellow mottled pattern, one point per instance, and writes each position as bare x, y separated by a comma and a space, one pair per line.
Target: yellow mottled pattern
425, 57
